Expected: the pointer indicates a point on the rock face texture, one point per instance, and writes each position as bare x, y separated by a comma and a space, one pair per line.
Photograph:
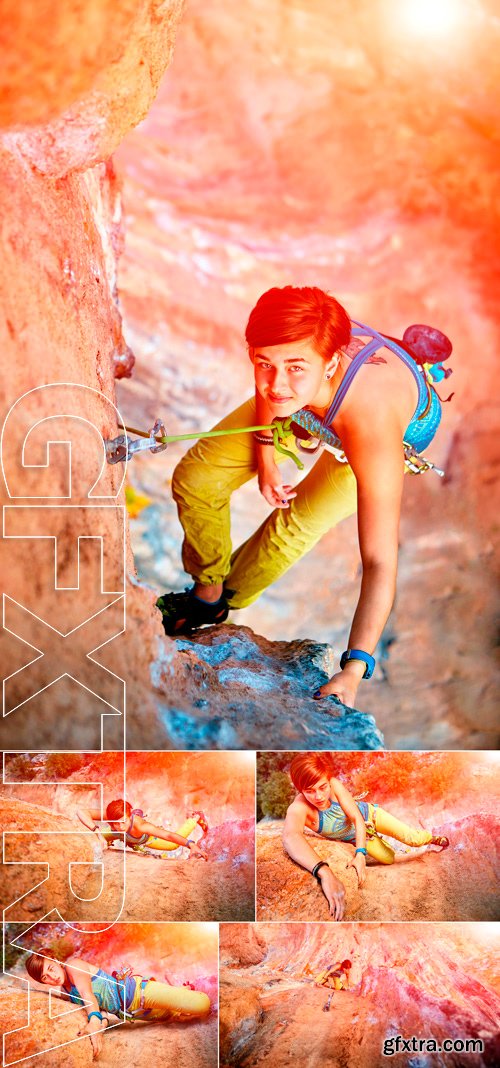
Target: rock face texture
433, 885
32, 840
433, 981
359, 154
76, 83
248, 692
87, 885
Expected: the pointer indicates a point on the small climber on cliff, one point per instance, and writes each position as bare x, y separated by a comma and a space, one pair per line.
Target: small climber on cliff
336, 977
129, 825
110, 997
370, 395
324, 805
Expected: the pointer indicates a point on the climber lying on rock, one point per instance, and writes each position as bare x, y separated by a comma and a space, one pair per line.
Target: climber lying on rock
372, 402
324, 805
112, 997
124, 823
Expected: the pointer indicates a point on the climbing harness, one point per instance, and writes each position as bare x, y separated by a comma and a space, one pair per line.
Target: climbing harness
121, 975
371, 831
423, 347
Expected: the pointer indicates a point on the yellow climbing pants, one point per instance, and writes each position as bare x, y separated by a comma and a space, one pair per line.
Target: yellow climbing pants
202, 485
161, 843
385, 823
166, 1001
332, 981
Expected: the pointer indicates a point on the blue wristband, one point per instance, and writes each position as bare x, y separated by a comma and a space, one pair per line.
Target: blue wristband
359, 654
361, 849
95, 1013
189, 841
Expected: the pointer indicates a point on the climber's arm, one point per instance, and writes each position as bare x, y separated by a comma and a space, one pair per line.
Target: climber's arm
90, 818
373, 448
298, 848
81, 978
348, 804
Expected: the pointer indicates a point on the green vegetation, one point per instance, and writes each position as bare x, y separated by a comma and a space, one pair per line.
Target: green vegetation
19, 768
59, 766
276, 795
383, 776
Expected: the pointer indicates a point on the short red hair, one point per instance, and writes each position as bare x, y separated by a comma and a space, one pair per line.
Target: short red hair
294, 313
307, 768
116, 810
35, 963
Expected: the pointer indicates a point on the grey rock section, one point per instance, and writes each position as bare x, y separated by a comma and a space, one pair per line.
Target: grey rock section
240, 691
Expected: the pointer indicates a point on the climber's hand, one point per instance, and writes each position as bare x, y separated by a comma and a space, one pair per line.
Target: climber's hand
334, 892
103, 842
359, 864
94, 1029
271, 486
195, 851
344, 684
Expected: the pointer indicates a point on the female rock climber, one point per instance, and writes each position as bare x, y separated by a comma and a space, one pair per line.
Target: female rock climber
139, 832
121, 995
335, 977
324, 805
298, 342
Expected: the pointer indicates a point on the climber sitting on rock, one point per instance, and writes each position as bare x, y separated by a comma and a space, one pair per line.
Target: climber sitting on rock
128, 824
335, 976
325, 806
369, 394
110, 997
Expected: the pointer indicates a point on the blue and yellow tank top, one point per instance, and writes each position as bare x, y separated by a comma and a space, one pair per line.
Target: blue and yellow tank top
108, 991
333, 822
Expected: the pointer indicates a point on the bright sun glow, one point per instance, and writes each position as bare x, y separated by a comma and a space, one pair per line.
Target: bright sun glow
244, 756
431, 16
491, 757
488, 933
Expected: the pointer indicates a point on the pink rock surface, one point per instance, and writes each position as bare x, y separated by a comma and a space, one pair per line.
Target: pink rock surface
428, 980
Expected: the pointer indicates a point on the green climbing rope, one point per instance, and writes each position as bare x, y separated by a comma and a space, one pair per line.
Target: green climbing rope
280, 428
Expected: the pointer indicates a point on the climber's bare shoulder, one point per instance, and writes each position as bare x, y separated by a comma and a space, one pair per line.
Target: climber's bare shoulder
378, 394
77, 966
300, 814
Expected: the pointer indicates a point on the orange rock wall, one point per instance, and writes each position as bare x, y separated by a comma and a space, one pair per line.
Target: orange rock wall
78, 77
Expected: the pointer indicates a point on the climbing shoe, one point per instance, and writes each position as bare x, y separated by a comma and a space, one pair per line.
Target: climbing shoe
440, 840
201, 819
182, 613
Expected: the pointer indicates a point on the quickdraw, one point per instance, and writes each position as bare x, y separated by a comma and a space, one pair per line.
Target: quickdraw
123, 448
